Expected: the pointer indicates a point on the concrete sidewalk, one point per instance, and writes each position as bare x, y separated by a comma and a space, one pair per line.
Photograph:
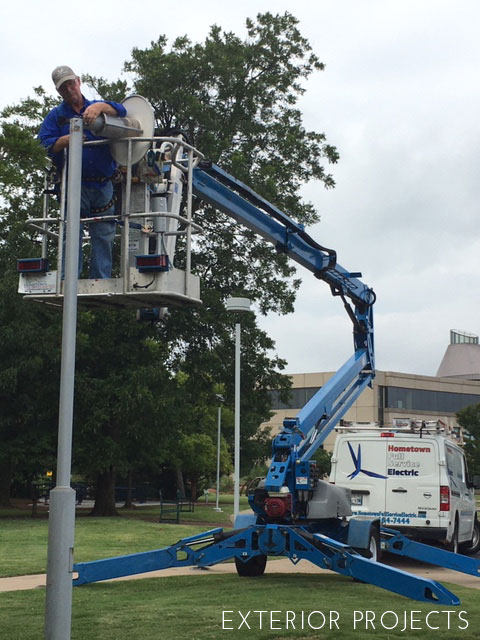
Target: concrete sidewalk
282, 565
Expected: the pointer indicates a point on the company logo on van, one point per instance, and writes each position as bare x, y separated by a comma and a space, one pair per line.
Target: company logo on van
392, 447
357, 461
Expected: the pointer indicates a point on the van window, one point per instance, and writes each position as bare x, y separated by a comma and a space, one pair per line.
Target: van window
455, 466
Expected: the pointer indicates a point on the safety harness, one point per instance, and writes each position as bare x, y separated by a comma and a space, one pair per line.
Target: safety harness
107, 206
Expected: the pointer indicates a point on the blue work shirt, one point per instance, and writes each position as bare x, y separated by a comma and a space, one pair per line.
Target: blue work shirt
97, 161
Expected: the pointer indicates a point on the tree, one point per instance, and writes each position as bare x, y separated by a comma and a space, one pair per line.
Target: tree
236, 100
29, 335
114, 383
323, 460
140, 390
192, 440
198, 453
121, 390
469, 419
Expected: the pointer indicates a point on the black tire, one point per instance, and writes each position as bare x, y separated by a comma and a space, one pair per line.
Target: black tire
453, 544
251, 568
472, 547
374, 550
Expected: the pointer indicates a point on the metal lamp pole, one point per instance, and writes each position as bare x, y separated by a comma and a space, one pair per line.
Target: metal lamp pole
219, 427
237, 305
61, 525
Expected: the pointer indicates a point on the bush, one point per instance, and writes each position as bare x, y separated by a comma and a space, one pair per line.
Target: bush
226, 484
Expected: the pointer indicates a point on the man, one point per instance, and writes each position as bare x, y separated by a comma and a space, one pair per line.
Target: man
97, 163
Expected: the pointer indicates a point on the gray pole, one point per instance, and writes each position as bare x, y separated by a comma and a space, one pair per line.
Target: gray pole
236, 472
61, 525
237, 304
219, 426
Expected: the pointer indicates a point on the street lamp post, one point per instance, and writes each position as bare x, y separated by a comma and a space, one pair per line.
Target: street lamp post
238, 305
219, 427
61, 525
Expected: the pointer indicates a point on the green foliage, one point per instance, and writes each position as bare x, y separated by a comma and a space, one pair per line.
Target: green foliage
469, 419
146, 395
29, 336
236, 100
202, 348
323, 459
197, 458
107, 90
250, 480
226, 484
120, 391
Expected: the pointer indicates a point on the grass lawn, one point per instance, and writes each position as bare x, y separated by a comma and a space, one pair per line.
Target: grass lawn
190, 608
23, 540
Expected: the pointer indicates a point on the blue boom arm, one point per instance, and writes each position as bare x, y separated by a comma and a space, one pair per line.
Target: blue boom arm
301, 436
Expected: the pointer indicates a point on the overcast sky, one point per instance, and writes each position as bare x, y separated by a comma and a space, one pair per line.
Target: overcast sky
399, 97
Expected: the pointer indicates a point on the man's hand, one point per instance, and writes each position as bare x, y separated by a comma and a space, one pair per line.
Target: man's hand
61, 144
92, 112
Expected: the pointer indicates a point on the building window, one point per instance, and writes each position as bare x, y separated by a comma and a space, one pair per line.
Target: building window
298, 398
422, 400
462, 337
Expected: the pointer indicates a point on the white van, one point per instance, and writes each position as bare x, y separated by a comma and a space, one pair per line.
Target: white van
415, 480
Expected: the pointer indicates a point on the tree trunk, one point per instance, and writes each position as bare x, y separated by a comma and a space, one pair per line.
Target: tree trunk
105, 494
6, 471
180, 482
128, 498
193, 488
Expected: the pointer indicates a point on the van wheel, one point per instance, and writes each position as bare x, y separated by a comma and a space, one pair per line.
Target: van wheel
251, 568
472, 547
453, 544
374, 550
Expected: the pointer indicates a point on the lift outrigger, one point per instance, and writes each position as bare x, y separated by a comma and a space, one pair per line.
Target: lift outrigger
253, 543
295, 513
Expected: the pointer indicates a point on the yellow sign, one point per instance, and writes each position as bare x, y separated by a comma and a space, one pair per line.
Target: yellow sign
49, 474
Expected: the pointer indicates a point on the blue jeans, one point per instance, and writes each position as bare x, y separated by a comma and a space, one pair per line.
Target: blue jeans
102, 234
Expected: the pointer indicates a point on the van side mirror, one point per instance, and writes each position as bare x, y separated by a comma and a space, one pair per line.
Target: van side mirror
476, 482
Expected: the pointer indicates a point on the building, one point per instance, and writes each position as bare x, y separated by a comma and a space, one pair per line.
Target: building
462, 357
394, 395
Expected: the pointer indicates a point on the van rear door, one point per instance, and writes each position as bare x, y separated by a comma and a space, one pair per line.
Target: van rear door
361, 468
461, 497
413, 482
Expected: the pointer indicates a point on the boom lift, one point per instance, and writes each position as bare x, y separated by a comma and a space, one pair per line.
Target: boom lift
153, 209
295, 513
